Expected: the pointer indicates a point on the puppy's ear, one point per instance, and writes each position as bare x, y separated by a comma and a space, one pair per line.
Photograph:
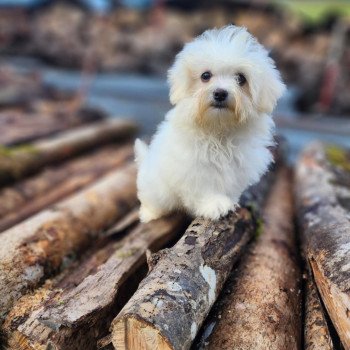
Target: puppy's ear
271, 90
178, 79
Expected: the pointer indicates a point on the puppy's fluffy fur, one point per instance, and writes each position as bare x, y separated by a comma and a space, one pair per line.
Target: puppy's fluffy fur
205, 154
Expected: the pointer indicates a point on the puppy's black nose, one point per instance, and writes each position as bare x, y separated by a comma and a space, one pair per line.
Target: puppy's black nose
220, 95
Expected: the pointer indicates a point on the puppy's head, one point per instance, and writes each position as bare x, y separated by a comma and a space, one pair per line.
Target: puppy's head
225, 74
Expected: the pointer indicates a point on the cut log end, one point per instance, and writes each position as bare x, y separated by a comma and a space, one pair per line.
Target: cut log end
133, 333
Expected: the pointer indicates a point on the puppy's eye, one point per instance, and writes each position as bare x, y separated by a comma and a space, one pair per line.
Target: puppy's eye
205, 77
241, 79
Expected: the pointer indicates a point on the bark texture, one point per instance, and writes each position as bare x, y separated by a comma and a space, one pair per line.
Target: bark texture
316, 333
323, 201
173, 300
34, 249
16, 162
261, 309
75, 312
26, 198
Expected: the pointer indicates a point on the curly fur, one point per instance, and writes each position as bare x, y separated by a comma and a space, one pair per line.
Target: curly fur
202, 158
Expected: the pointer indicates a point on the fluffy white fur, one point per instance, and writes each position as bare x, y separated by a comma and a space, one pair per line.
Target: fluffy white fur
202, 158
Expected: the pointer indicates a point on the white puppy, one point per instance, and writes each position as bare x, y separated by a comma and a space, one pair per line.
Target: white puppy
213, 143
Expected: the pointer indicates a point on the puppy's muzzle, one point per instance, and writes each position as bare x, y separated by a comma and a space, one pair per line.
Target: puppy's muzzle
220, 98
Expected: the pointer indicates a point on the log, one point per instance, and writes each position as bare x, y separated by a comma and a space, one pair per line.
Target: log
323, 197
16, 162
125, 223
316, 333
262, 305
26, 198
75, 312
174, 299
43, 119
37, 247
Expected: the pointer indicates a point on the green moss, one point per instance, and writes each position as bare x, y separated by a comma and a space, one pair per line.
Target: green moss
256, 217
259, 227
11, 151
338, 157
125, 253
16, 161
316, 10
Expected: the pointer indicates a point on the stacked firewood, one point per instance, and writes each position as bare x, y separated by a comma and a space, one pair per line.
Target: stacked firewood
30, 109
14, 28
73, 254
126, 39
78, 270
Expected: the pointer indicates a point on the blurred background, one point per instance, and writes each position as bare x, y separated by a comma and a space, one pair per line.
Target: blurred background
112, 55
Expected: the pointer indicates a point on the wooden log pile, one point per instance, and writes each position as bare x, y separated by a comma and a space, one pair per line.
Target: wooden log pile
18, 161
73, 310
31, 109
31, 195
124, 39
72, 252
78, 270
77, 294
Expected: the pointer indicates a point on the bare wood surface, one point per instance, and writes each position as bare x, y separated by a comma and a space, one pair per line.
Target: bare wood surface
316, 333
25, 198
323, 201
66, 317
34, 249
261, 306
68, 279
173, 300
18, 161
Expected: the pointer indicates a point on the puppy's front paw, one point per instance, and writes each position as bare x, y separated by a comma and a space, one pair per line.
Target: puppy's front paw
147, 214
215, 206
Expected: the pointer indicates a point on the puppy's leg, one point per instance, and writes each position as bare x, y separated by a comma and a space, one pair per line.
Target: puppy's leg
156, 204
155, 207
156, 198
149, 213
214, 206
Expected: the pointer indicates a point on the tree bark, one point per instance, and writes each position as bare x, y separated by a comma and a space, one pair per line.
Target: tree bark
74, 318
316, 333
174, 299
261, 306
323, 201
26, 198
36, 248
16, 162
